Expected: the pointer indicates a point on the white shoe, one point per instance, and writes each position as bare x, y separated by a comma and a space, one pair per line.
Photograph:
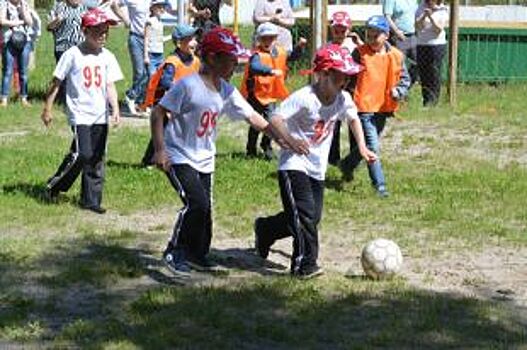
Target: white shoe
130, 104
144, 114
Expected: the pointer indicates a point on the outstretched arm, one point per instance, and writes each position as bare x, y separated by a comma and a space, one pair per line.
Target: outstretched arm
356, 127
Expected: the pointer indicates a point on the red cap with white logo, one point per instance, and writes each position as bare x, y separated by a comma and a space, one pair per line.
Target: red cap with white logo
341, 18
332, 56
221, 40
96, 16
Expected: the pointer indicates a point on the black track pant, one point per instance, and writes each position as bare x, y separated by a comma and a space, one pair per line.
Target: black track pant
87, 156
252, 137
193, 228
302, 199
430, 60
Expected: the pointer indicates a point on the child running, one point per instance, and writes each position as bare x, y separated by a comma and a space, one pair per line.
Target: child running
310, 114
377, 92
264, 80
90, 71
179, 64
186, 148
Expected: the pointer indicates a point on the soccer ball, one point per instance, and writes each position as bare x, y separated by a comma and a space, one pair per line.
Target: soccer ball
381, 258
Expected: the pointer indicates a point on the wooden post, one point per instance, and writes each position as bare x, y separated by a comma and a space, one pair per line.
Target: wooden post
236, 19
452, 52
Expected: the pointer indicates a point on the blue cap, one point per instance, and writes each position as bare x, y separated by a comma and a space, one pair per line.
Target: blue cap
164, 3
379, 23
182, 31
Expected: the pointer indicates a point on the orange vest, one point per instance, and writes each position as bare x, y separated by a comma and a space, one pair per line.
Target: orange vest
153, 91
267, 88
373, 91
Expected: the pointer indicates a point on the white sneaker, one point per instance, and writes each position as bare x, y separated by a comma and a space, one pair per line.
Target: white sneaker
130, 104
145, 113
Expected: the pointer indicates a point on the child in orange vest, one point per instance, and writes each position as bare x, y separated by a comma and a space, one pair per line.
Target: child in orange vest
178, 65
264, 80
377, 90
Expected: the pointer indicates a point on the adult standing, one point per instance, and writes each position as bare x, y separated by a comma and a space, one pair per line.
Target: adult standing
430, 21
400, 15
15, 19
206, 13
280, 13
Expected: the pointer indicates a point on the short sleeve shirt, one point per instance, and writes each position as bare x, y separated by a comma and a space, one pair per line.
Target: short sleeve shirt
155, 43
308, 119
402, 13
190, 136
138, 11
69, 32
427, 35
87, 76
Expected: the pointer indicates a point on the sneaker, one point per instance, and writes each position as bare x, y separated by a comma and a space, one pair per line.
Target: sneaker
308, 271
382, 192
130, 104
261, 245
95, 209
25, 102
202, 264
144, 113
51, 196
3, 102
175, 261
268, 153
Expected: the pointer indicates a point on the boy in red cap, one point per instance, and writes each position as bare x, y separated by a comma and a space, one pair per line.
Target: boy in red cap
341, 35
185, 149
90, 71
377, 92
310, 115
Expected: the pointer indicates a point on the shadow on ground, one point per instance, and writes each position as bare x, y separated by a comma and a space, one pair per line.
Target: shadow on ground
96, 292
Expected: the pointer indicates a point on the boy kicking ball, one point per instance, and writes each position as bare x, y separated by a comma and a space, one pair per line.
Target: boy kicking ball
310, 115
90, 71
185, 149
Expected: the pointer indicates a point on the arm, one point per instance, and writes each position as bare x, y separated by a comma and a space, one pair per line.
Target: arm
402, 88
148, 29
398, 33
278, 130
358, 133
285, 19
26, 14
120, 14
437, 24
51, 94
5, 22
114, 102
257, 68
156, 127
258, 14
298, 51
167, 78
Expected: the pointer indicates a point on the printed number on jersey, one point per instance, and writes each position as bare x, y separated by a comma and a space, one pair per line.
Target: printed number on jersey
207, 123
92, 76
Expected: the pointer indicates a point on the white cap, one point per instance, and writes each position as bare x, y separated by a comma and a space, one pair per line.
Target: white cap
267, 29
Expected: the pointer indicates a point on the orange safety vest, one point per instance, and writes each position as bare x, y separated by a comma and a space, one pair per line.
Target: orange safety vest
373, 91
267, 89
153, 91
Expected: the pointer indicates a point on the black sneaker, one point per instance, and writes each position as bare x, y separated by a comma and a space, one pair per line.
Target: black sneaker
261, 245
51, 196
268, 154
202, 264
175, 261
308, 271
95, 209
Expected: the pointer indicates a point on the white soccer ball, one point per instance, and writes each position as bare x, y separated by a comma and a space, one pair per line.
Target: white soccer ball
381, 258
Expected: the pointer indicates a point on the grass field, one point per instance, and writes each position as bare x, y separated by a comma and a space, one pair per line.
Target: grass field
458, 181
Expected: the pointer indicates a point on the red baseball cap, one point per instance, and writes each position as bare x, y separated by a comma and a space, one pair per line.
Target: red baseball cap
94, 17
332, 56
223, 40
341, 18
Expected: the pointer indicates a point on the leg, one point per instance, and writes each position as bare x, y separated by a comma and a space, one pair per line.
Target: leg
252, 139
265, 144
8, 62
61, 95
23, 63
334, 151
352, 160
70, 167
373, 126
437, 55
92, 152
425, 65
135, 49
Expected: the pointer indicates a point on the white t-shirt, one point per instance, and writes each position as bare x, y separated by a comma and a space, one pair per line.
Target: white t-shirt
190, 136
155, 43
138, 11
427, 35
309, 120
87, 76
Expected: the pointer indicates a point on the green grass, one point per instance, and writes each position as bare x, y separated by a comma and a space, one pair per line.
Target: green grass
458, 182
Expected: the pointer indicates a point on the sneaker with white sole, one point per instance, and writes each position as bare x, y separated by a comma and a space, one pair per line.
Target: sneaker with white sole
308, 271
130, 104
176, 262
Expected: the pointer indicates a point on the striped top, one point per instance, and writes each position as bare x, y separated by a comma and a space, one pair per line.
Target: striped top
69, 32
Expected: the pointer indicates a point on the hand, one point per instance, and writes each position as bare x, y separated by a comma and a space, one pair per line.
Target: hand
400, 35
368, 155
115, 118
146, 61
298, 146
207, 14
161, 160
302, 42
46, 117
276, 19
277, 72
356, 38
428, 12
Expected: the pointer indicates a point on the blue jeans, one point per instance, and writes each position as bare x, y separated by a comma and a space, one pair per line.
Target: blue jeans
9, 55
139, 72
372, 125
156, 59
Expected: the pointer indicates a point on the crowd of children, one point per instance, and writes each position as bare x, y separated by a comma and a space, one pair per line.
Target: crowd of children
188, 91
